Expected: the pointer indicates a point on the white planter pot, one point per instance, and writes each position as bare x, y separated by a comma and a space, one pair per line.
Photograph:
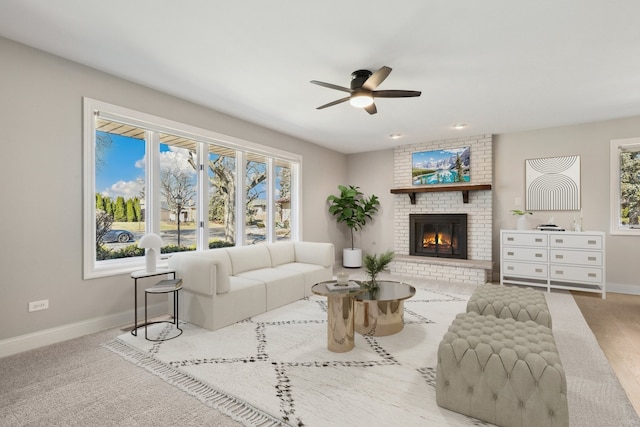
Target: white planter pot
352, 257
521, 223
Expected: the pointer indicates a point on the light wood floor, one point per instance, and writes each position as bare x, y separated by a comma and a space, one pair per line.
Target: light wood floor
615, 322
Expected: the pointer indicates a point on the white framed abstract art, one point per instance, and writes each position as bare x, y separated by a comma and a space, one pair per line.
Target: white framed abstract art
553, 184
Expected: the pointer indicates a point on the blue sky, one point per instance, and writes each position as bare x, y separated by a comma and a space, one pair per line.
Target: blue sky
123, 163
123, 167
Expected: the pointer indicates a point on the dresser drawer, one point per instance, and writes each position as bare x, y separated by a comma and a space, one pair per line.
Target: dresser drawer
576, 274
575, 241
524, 239
524, 254
586, 258
524, 269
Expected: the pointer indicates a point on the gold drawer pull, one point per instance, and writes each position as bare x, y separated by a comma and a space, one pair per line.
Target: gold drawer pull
510, 239
591, 242
538, 240
509, 268
510, 253
591, 274
538, 255
559, 241
559, 272
538, 270
591, 258
559, 256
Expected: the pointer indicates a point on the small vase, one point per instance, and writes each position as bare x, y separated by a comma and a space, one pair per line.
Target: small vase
521, 223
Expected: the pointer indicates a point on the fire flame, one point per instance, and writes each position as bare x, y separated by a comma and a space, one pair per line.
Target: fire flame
433, 240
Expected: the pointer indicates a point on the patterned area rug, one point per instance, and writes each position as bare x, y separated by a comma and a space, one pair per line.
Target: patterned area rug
275, 369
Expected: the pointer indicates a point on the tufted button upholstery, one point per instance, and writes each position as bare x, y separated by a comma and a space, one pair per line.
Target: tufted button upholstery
510, 302
502, 371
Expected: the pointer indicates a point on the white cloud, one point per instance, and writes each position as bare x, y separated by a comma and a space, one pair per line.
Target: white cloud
126, 189
176, 158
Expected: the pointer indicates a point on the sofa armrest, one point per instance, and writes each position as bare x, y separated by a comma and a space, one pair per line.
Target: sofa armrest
199, 273
315, 253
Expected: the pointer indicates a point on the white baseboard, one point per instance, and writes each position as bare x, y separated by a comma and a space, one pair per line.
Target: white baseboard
621, 288
73, 330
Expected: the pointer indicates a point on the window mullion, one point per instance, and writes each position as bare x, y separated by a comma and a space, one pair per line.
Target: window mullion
202, 199
152, 178
241, 185
271, 217
296, 211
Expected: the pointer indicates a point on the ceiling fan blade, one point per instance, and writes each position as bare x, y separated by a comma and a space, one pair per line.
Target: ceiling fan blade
371, 109
376, 78
336, 102
331, 86
395, 93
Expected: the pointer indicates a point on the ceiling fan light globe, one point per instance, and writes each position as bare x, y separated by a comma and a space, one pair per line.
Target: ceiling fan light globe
361, 100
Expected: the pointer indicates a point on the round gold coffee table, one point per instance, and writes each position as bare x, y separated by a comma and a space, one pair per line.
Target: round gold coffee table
381, 312
339, 315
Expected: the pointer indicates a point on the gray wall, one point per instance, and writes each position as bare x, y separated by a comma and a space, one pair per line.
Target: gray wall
373, 173
41, 215
590, 141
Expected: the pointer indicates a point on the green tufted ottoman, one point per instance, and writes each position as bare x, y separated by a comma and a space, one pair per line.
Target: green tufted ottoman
502, 371
510, 302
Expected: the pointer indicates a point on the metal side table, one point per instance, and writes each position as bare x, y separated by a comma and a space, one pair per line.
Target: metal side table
141, 274
164, 287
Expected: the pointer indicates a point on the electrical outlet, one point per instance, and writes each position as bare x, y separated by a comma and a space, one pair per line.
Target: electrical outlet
518, 201
38, 305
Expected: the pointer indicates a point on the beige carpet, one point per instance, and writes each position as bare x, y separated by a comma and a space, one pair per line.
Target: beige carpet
79, 382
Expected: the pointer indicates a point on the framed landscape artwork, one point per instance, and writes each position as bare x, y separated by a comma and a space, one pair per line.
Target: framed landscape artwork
446, 166
553, 184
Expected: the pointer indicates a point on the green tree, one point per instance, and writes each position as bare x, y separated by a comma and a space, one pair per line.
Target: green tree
130, 210
120, 211
108, 205
137, 209
99, 202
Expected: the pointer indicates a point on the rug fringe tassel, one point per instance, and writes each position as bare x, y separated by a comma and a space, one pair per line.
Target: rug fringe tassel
231, 406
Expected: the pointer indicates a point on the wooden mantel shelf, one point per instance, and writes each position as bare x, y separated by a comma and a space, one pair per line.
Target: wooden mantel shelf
435, 188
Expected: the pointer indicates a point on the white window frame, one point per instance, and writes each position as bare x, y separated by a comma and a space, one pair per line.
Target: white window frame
91, 108
616, 146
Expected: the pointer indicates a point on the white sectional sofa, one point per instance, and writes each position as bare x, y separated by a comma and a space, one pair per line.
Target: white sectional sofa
223, 286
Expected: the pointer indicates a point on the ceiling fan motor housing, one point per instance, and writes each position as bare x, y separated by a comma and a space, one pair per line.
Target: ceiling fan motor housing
359, 77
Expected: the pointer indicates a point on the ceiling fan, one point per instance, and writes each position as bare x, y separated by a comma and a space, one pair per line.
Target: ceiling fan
362, 92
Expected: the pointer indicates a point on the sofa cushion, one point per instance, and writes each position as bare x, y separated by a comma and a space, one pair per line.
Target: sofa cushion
246, 258
283, 286
281, 253
315, 253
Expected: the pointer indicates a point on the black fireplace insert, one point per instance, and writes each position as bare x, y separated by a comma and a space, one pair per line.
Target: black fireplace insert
438, 235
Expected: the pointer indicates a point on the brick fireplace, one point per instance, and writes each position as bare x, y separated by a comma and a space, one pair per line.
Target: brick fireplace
476, 205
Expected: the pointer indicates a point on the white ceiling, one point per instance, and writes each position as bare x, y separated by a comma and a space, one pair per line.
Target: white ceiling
499, 65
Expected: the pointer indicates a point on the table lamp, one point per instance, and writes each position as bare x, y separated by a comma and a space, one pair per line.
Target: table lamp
152, 243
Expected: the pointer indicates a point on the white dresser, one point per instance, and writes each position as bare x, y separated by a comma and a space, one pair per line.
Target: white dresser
553, 259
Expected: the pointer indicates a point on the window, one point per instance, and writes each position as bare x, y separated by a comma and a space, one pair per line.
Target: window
625, 186
145, 174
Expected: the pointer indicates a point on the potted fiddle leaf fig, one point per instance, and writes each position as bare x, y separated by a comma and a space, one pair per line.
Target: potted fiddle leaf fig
354, 209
